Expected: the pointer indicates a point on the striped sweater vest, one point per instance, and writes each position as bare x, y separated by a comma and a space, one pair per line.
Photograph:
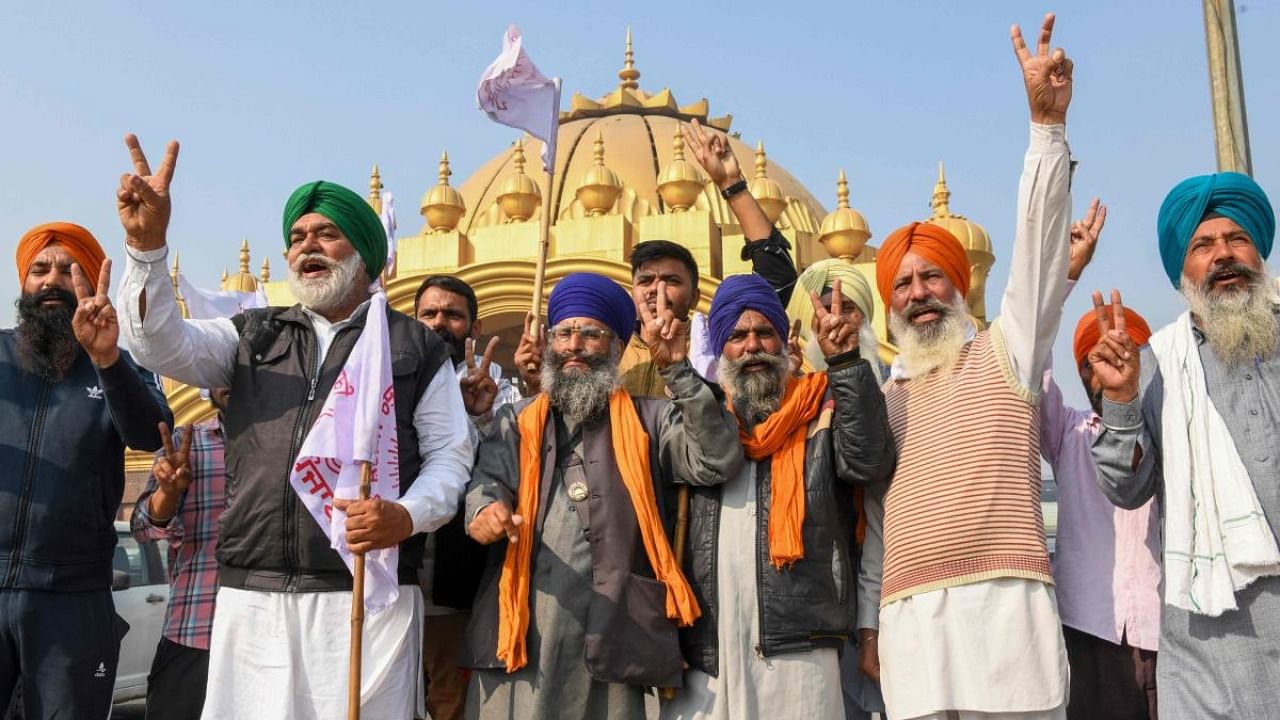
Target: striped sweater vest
964, 505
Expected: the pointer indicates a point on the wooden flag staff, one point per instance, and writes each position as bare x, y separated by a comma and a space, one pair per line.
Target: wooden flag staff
357, 613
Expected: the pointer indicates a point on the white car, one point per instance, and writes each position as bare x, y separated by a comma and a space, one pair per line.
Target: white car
140, 587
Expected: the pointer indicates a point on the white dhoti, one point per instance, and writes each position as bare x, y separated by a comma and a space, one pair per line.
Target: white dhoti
286, 655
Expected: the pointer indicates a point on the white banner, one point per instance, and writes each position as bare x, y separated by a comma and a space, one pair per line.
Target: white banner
211, 304
515, 93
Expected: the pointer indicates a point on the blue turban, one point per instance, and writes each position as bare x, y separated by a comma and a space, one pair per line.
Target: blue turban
594, 296
1228, 194
737, 294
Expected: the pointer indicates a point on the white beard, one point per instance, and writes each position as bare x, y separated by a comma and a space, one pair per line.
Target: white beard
331, 292
934, 347
1239, 324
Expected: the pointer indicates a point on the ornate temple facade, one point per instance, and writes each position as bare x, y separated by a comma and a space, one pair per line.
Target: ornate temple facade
621, 177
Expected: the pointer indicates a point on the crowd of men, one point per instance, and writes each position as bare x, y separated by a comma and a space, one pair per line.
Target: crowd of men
741, 511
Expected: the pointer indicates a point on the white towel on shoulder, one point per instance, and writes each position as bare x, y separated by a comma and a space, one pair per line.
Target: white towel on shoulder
1217, 539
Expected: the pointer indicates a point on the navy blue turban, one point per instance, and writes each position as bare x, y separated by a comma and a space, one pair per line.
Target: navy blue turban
737, 294
1228, 194
596, 297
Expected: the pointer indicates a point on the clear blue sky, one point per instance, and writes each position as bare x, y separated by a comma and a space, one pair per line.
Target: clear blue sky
266, 95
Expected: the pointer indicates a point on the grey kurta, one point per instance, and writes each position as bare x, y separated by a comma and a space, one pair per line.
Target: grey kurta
1209, 667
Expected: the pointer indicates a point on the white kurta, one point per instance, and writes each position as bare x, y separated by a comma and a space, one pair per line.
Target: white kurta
286, 655
794, 685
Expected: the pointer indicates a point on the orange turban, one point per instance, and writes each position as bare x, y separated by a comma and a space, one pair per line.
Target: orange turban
80, 244
1087, 332
932, 242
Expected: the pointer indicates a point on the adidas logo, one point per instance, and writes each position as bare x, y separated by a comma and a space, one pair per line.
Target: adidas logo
101, 672
95, 392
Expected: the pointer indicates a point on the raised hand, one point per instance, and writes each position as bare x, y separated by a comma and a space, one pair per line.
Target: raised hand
1084, 238
173, 469
834, 332
94, 322
143, 197
479, 389
666, 335
528, 357
1046, 74
1115, 359
795, 356
495, 522
713, 153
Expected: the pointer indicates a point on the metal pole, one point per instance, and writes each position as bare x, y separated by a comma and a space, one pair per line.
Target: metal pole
1226, 87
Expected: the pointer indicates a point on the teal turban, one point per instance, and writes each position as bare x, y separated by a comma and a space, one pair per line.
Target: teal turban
350, 212
1228, 194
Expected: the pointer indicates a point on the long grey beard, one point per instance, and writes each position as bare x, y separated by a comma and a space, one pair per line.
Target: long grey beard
935, 345
346, 279
755, 395
1238, 323
581, 396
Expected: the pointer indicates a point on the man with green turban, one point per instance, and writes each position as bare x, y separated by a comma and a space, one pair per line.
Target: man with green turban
1201, 432
279, 643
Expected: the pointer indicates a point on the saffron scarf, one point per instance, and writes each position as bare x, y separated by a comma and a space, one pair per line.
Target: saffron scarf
631, 449
782, 438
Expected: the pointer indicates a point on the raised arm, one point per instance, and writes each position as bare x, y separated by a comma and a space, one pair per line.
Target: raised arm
1031, 308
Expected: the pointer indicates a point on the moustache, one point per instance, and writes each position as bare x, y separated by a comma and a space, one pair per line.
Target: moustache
1230, 270
300, 262
922, 307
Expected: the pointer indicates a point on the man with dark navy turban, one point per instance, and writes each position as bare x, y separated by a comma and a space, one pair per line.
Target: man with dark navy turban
279, 640
581, 598
1193, 418
769, 552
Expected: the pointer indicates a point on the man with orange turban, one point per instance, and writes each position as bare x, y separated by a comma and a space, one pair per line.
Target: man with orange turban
969, 624
65, 385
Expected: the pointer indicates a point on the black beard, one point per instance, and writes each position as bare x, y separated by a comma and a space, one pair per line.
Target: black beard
46, 343
457, 345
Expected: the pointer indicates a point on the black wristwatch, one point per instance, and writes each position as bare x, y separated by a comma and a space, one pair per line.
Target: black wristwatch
734, 189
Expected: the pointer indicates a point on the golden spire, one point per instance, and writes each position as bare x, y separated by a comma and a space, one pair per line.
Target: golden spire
844, 231
173, 276
244, 256
970, 234
629, 75
375, 185
767, 192
520, 195
941, 195
681, 182
442, 206
265, 275
177, 292
225, 278
242, 281
600, 187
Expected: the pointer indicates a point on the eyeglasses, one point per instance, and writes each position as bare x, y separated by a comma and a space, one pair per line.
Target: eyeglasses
588, 333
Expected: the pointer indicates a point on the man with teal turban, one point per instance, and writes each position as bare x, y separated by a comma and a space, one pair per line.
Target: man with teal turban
1201, 432
284, 598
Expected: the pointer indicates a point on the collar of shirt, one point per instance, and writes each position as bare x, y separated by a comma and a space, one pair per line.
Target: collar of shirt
325, 330
898, 371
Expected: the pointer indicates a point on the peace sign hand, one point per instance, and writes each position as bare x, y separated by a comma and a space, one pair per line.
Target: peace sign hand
173, 469
834, 332
1115, 359
666, 335
1046, 75
479, 389
1084, 238
528, 357
94, 322
713, 153
143, 197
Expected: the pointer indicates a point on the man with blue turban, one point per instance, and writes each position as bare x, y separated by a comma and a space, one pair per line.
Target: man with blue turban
582, 595
279, 639
770, 550
1201, 432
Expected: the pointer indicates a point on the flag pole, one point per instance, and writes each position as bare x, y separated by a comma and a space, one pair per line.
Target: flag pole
544, 231
357, 613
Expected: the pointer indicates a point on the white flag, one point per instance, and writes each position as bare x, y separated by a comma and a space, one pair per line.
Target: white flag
357, 423
211, 304
388, 216
514, 92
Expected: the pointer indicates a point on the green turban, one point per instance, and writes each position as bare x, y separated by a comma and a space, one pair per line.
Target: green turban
350, 212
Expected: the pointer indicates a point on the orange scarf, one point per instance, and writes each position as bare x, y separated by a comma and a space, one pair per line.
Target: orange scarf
782, 437
631, 450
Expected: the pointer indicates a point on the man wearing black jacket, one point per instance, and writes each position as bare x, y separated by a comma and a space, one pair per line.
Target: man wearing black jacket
70, 401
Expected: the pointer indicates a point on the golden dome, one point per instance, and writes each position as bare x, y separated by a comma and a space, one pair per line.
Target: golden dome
600, 187
241, 281
682, 181
844, 233
970, 234
766, 191
442, 206
519, 196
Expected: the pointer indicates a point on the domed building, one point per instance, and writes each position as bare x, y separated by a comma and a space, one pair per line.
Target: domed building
621, 178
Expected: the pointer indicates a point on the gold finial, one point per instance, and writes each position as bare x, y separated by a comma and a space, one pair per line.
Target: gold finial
629, 75
225, 277
767, 192
682, 182
842, 190
844, 231
244, 256
600, 187
265, 275
375, 185
520, 195
442, 206
941, 195
173, 276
